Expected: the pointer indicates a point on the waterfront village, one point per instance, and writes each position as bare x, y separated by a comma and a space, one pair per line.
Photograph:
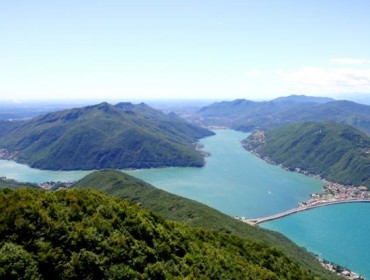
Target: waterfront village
334, 192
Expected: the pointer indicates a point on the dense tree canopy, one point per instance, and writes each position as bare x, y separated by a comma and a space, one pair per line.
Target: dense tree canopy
83, 234
104, 136
339, 153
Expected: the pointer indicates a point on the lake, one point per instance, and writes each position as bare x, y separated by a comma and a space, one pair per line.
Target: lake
236, 182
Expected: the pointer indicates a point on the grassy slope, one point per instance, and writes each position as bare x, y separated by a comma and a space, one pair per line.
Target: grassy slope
337, 152
194, 213
105, 136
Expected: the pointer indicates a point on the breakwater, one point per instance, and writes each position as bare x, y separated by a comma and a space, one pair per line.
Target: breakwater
301, 208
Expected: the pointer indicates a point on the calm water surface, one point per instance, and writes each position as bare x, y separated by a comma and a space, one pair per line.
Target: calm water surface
24, 173
338, 233
234, 181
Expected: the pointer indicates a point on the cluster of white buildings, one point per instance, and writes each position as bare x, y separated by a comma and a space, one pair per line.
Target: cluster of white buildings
335, 192
341, 271
55, 185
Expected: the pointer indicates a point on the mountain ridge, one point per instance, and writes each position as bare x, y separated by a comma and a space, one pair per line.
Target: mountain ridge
245, 115
104, 136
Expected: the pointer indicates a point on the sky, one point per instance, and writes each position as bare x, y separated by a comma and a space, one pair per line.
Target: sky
196, 49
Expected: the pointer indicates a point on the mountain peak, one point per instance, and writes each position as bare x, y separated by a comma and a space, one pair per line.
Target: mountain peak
106, 136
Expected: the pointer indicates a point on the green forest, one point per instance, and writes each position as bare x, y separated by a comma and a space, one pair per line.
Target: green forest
84, 234
338, 153
104, 136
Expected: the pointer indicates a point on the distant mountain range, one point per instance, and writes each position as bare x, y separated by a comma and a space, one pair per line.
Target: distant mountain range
337, 152
104, 136
248, 115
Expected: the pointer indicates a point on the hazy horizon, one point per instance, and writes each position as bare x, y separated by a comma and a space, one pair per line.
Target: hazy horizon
359, 98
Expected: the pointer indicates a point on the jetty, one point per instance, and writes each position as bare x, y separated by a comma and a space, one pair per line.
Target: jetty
301, 208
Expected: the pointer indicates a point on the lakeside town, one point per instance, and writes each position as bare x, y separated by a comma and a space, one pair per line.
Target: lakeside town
334, 192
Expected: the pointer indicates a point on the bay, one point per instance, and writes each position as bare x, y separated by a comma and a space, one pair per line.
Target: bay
338, 233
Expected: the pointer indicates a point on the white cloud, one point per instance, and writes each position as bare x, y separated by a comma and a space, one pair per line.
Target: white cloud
350, 61
314, 79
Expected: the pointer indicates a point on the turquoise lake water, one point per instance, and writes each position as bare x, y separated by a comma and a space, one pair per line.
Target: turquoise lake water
238, 183
24, 173
338, 233
234, 181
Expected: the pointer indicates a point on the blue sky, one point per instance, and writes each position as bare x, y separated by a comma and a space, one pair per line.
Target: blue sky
183, 49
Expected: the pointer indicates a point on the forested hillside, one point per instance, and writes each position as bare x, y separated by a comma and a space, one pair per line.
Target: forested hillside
83, 234
104, 136
338, 153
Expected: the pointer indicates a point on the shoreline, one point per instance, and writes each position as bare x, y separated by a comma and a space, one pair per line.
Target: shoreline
334, 193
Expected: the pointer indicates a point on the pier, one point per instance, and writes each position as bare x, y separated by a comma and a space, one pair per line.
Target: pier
301, 208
